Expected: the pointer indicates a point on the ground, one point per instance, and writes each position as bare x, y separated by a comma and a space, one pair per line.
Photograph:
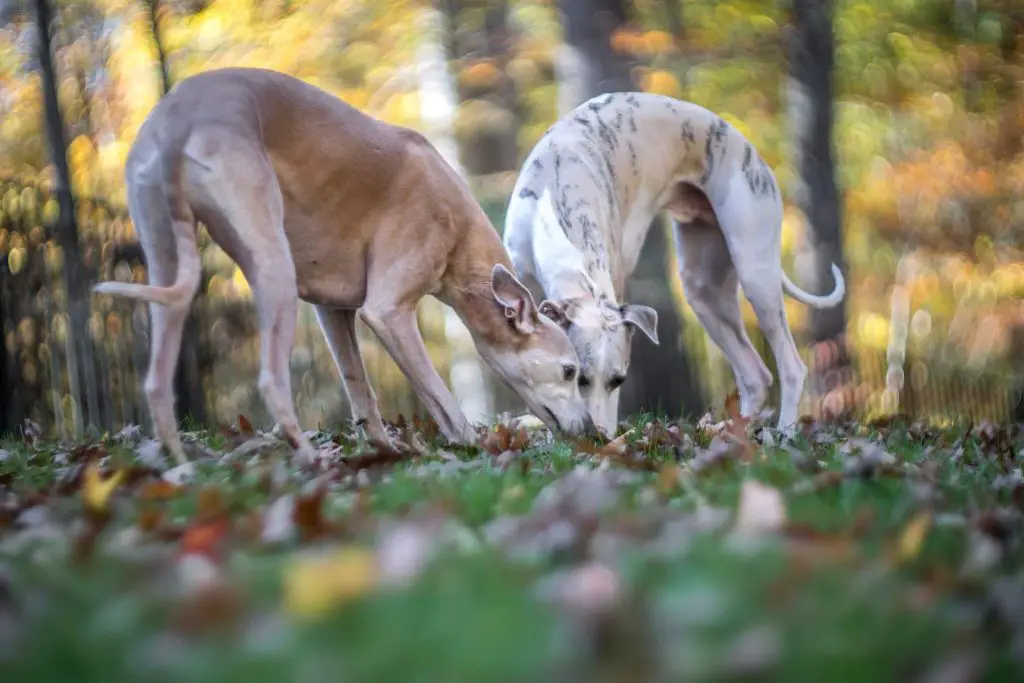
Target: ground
882, 552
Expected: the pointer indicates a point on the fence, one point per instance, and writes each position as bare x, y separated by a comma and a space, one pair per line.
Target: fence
33, 327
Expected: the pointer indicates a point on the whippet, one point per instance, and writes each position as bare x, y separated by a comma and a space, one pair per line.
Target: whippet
580, 212
315, 200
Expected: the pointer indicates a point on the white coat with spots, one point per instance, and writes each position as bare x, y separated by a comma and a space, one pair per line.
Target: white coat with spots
580, 212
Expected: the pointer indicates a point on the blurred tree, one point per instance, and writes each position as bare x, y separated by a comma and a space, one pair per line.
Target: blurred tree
80, 353
810, 94
161, 53
480, 45
660, 376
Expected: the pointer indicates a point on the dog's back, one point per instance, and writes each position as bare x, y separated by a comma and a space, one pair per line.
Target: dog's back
617, 160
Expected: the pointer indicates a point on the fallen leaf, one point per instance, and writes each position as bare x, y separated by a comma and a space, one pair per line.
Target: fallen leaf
587, 591
210, 504
504, 437
150, 520
181, 474
157, 491
245, 426
150, 454
405, 550
761, 509
216, 607
278, 521
313, 585
308, 514
617, 447
913, 535
96, 491
205, 538
668, 479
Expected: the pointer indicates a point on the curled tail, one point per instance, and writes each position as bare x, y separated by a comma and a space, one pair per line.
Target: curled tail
180, 293
825, 301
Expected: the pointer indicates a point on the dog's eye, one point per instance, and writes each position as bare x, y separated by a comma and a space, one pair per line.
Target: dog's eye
615, 382
584, 381
569, 372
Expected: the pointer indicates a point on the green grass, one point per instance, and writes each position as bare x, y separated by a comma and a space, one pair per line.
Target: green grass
824, 598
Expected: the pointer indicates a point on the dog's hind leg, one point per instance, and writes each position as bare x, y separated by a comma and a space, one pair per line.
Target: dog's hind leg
339, 327
246, 215
752, 227
712, 289
150, 212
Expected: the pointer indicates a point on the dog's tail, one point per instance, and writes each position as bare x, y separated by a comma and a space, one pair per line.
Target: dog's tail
180, 293
815, 301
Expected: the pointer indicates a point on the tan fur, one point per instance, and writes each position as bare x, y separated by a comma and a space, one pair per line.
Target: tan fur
316, 200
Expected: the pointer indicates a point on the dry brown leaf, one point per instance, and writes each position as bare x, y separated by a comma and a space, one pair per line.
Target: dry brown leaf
216, 607
308, 514
205, 538
210, 504
668, 479
153, 491
245, 426
505, 437
617, 447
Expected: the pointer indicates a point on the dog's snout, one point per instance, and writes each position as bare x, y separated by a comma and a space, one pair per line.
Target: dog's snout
589, 428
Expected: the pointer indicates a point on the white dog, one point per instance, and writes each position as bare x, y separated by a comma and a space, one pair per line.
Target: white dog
580, 212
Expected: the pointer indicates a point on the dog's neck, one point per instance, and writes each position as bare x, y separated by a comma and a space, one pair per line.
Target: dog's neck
467, 282
611, 169
579, 285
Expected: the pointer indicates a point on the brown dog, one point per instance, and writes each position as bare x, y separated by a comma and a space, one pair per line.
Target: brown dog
316, 200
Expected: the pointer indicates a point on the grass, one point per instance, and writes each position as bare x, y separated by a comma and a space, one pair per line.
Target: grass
896, 555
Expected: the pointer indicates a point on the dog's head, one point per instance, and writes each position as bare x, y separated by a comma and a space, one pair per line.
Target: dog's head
535, 358
602, 334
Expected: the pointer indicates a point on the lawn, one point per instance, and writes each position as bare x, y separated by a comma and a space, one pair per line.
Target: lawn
881, 552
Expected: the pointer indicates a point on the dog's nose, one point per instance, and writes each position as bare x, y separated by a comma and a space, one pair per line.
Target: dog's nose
589, 428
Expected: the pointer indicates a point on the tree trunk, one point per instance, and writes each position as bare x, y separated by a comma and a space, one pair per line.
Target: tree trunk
6, 383
78, 342
660, 376
674, 19
810, 86
479, 36
161, 54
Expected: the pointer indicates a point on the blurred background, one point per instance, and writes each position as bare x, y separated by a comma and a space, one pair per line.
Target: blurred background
895, 127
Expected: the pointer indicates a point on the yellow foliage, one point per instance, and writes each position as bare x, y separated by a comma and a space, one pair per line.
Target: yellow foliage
482, 74
658, 43
626, 40
662, 83
873, 330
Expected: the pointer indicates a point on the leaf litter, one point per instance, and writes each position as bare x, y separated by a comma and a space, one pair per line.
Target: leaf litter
664, 491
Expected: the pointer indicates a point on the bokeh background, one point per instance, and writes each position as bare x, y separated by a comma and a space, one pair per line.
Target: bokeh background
896, 129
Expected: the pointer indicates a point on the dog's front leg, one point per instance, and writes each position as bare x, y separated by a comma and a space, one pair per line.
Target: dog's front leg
339, 328
399, 333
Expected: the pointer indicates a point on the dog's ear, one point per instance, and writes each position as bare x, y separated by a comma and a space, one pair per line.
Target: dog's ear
555, 311
520, 311
643, 317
